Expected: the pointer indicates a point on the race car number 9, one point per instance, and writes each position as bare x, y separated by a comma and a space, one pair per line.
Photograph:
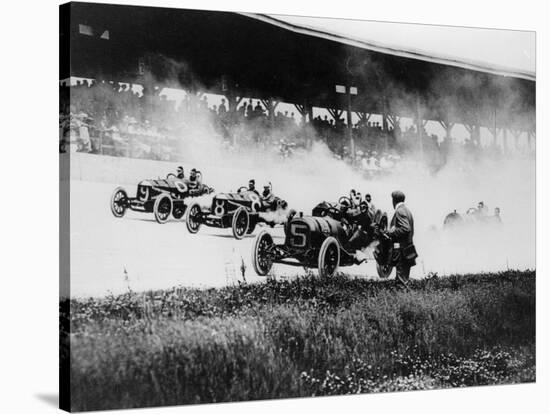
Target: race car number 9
298, 232
255, 202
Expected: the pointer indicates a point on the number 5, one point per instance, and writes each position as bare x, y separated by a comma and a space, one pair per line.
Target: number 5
298, 231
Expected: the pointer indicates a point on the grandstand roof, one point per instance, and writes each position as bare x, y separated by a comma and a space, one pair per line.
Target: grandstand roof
313, 26
261, 56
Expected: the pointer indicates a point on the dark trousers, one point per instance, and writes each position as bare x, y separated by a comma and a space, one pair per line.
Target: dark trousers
403, 271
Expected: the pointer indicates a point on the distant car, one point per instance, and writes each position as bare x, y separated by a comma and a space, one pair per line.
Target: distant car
473, 217
162, 197
320, 241
241, 211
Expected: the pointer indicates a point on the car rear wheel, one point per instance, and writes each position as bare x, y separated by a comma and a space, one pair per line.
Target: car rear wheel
119, 202
240, 223
261, 257
192, 221
162, 208
329, 257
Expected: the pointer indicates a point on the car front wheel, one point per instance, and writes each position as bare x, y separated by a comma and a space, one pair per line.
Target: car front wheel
329, 257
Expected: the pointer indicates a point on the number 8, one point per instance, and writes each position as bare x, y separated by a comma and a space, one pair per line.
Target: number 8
219, 210
255, 202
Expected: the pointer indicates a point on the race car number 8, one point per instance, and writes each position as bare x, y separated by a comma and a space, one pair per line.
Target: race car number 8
255, 206
219, 209
182, 188
298, 232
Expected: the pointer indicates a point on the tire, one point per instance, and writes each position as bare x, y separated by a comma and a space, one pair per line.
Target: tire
162, 208
262, 264
329, 257
118, 202
178, 211
192, 221
384, 271
240, 223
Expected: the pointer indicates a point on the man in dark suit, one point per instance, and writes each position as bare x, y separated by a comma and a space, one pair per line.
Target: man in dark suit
401, 233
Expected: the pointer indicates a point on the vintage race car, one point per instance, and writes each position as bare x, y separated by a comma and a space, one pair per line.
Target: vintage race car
473, 217
320, 241
241, 211
161, 197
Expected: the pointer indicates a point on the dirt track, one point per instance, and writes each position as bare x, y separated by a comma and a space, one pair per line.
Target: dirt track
111, 255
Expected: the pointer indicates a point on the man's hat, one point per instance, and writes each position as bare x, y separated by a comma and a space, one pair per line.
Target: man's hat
252, 181
180, 168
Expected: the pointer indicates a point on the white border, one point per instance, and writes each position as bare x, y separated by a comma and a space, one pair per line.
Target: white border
28, 96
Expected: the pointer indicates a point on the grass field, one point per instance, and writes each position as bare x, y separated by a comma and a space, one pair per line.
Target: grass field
304, 337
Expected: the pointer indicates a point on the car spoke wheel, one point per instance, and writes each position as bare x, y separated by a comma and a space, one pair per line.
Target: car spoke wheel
192, 221
119, 202
329, 257
162, 208
240, 223
261, 253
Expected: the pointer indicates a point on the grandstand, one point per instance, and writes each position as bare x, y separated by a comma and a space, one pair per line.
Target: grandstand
258, 63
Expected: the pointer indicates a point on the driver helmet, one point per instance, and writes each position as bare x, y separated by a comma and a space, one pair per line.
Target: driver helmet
368, 198
180, 172
252, 184
193, 174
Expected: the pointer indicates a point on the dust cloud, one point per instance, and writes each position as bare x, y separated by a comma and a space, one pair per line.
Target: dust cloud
315, 175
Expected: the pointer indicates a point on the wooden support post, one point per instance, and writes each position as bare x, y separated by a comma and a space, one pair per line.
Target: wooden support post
350, 126
335, 113
448, 126
473, 131
270, 107
419, 125
303, 111
504, 140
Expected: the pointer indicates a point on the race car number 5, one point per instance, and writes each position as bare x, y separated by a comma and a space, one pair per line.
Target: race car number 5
298, 232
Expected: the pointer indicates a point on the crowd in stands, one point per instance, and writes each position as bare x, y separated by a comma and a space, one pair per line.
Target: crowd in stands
114, 119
